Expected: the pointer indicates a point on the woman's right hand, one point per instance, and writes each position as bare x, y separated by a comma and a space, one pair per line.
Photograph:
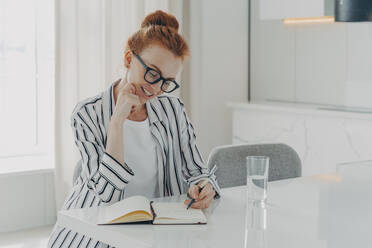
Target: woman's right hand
127, 100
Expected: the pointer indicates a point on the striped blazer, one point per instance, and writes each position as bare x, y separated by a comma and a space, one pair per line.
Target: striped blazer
103, 178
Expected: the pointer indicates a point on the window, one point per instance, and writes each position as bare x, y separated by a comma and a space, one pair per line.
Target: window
27, 63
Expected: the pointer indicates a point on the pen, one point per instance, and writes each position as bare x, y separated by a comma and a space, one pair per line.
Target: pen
201, 186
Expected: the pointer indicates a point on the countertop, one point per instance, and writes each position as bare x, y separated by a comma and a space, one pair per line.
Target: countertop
304, 108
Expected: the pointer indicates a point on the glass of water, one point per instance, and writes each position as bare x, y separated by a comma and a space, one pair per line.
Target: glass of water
256, 227
257, 176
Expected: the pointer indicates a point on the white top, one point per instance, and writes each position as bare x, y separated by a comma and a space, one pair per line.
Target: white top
140, 155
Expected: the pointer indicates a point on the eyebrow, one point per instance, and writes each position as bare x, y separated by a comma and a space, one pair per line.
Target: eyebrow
172, 78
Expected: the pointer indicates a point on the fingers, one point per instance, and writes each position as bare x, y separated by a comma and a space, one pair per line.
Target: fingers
207, 190
202, 200
130, 94
132, 109
129, 88
132, 89
194, 191
205, 203
133, 99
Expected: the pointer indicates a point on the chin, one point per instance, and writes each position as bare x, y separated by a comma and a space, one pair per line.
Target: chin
144, 100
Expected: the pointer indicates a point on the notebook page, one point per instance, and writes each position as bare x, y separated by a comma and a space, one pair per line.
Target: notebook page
118, 209
177, 210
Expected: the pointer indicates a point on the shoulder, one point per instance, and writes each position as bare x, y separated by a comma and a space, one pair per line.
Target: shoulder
86, 107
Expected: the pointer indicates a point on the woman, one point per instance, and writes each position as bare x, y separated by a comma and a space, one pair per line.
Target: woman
133, 139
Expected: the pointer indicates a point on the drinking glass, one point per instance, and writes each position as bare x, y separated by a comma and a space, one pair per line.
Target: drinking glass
257, 176
256, 227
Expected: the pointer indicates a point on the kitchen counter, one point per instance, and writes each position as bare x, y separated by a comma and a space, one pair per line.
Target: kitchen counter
303, 108
323, 136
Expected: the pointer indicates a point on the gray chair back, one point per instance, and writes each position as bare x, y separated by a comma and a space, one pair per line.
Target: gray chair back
231, 162
77, 171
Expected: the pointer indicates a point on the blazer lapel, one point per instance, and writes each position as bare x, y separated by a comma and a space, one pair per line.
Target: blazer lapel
108, 105
155, 119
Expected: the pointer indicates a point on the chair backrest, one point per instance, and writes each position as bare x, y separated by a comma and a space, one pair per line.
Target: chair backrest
77, 171
231, 162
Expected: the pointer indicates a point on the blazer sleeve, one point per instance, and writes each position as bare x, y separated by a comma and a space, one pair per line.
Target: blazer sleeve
195, 169
105, 174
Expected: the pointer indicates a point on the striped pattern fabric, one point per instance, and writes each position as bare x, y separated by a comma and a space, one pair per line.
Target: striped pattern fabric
103, 179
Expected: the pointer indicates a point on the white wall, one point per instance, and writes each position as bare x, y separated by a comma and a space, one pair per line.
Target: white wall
218, 66
28, 200
318, 63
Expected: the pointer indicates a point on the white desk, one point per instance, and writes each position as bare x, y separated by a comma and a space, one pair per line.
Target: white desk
330, 210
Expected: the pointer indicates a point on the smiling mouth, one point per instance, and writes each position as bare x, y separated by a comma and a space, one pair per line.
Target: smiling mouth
146, 92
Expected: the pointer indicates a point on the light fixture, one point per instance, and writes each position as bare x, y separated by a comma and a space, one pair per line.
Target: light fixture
353, 10
304, 20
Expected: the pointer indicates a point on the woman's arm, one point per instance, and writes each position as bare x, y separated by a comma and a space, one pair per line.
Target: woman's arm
105, 168
106, 175
197, 170
126, 100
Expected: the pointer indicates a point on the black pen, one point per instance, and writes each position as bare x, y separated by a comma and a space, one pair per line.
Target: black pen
201, 186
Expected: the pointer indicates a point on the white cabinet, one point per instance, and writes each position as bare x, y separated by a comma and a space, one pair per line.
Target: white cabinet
280, 9
322, 138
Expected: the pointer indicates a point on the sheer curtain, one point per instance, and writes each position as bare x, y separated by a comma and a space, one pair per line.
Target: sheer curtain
90, 40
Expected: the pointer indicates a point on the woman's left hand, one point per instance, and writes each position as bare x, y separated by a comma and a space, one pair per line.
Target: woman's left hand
203, 199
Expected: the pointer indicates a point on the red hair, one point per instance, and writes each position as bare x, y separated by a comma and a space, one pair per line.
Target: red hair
159, 28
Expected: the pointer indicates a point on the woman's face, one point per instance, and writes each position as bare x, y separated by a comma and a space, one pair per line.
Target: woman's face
159, 59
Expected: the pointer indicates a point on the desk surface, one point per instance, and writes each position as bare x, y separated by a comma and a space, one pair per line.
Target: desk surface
330, 210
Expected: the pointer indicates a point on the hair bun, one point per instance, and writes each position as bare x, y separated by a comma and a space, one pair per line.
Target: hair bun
160, 18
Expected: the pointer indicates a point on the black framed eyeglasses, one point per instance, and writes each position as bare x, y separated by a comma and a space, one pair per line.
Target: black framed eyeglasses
152, 76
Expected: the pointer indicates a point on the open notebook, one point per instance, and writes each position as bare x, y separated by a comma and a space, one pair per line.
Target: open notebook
140, 209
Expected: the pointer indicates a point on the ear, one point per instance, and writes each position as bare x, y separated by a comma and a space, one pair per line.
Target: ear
128, 58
